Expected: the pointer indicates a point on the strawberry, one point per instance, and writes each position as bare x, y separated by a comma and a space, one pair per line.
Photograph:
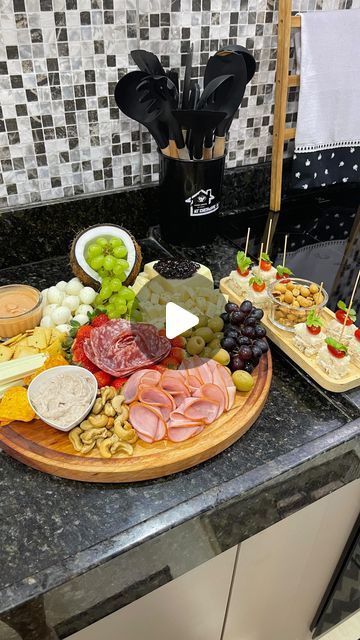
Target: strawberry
157, 367
90, 366
179, 341
103, 379
99, 320
78, 353
170, 363
162, 332
177, 353
83, 332
117, 383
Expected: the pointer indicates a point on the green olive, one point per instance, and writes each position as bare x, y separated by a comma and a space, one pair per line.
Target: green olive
195, 345
216, 324
242, 380
222, 357
214, 344
205, 333
187, 334
206, 353
219, 335
203, 321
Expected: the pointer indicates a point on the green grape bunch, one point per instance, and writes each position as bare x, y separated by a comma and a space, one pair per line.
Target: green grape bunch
108, 258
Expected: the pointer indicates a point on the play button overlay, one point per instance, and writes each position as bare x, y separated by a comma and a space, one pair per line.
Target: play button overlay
178, 320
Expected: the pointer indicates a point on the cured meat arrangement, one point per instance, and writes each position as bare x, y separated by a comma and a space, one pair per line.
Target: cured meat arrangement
178, 404
121, 347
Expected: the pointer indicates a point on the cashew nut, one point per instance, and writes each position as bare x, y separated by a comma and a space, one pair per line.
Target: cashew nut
109, 410
85, 425
125, 432
98, 421
93, 434
122, 447
123, 414
74, 437
105, 445
110, 422
117, 403
87, 447
107, 393
97, 406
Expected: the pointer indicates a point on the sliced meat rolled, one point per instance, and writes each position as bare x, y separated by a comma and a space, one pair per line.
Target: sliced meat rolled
147, 422
200, 409
131, 387
158, 399
180, 434
214, 393
225, 376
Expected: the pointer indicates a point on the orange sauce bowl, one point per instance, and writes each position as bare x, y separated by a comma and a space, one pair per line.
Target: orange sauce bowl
20, 309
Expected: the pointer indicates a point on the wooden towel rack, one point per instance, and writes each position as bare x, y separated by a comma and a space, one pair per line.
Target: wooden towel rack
283, 81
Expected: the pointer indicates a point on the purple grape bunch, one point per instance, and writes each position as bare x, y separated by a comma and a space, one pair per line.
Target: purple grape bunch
244, 335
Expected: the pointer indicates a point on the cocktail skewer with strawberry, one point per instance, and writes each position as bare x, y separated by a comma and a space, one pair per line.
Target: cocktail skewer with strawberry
241, 276
309, 335
282, 271
265, 270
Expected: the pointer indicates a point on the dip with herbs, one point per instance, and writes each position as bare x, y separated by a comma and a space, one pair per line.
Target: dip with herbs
63, 398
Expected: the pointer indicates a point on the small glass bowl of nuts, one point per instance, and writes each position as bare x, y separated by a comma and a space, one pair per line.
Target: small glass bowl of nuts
291, 301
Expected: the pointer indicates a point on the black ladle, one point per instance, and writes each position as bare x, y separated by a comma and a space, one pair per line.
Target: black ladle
127, 99
234, 65
200, 123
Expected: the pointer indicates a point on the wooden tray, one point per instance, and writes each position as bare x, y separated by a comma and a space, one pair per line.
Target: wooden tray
49, 450
284, 340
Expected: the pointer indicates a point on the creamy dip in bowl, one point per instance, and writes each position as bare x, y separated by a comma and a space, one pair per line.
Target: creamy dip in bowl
63, 396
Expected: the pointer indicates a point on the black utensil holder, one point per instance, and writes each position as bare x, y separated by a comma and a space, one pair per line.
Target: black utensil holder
190, 193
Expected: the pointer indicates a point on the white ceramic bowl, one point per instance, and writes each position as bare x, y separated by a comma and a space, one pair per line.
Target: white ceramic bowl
53, 373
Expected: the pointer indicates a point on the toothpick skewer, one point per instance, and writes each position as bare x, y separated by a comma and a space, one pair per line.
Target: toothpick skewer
350, 305
247, 241
261, 250
321, 288
268, 237
285, 247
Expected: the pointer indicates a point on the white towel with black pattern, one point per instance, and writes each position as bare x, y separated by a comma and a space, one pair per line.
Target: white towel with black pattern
327, 143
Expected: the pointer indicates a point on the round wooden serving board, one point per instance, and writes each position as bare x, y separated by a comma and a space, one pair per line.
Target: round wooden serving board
46, 449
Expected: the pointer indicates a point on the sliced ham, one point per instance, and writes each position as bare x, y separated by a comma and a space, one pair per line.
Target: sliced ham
230, 387
212, 392
147, 422
178, 434
158, 399
199, 409
131, 386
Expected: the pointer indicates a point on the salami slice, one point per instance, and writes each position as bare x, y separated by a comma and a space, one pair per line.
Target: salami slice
120, 347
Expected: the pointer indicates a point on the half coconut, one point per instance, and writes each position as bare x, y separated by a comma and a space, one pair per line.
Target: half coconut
88, 236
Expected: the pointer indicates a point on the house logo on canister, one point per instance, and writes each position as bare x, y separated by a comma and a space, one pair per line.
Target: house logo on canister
200, 203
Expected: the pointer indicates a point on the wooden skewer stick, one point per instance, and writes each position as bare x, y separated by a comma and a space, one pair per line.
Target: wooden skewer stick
321, 288
261, 250
350, 305
268, 236
285, 247
247, 241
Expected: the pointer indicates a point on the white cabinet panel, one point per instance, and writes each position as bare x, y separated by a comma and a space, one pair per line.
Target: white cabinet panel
283, 571
191, 607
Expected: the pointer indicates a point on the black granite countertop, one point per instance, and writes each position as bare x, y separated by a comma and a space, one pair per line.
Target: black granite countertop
64, 538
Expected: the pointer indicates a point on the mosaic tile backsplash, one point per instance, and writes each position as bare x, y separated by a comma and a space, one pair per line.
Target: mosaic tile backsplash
61, 133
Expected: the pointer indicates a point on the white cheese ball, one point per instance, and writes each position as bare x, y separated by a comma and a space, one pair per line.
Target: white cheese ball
44, 295
47, 321
73, 287
54, 296
64, 328
72, 302
87, 295
84, 309
61, 315
49, 309
61, 285
81, 318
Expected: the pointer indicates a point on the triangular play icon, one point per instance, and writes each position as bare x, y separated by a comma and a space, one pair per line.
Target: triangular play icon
178, 320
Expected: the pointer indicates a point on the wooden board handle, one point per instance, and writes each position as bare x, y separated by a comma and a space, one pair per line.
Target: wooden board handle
207, 153
183, 153
219, 147
166, 151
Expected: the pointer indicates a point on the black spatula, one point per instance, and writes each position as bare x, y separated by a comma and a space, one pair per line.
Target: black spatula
239, 50
234, 65
200, 122
127, 99
147, 62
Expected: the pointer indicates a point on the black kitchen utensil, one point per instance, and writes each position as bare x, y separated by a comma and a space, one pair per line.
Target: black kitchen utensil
147, 62
214, 98
160, 93
239, 50
234, 65
146, 113
200, 123
174, 77
187, 79
194, 95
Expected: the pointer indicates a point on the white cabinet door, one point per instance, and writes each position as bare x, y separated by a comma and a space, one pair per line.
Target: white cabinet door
283, 571
191, 607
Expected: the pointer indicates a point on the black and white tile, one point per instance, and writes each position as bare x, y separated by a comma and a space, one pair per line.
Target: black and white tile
61, 133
